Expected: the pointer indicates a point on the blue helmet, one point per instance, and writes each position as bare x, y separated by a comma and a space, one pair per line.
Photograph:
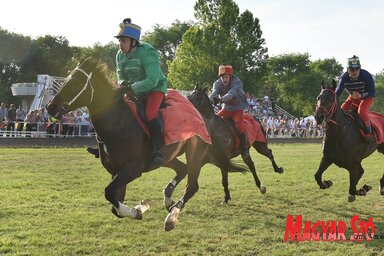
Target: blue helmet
128, 29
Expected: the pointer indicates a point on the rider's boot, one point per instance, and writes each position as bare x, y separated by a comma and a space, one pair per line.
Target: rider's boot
369, 135
244, 150
156, 141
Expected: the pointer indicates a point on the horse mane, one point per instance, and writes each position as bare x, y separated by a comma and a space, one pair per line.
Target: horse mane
101, 68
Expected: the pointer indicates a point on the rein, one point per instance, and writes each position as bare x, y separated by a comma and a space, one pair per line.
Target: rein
87, 85
329, 112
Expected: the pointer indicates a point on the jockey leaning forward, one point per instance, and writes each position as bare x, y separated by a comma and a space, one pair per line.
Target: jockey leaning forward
361, 88
228, 89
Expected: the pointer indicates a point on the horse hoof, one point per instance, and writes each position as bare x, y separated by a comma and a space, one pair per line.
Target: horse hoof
351, 198
171, 219
139, 215
381, 191
263, 190
327, 183
280, 170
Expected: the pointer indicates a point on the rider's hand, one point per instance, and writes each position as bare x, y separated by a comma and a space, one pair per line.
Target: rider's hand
126, 84
356, 95
216, 100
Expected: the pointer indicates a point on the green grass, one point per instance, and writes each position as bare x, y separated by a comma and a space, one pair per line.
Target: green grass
52, 203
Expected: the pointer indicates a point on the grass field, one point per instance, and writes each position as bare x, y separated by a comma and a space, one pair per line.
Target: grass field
52, 203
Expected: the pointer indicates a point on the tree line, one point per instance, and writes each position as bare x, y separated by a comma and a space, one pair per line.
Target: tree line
190, 53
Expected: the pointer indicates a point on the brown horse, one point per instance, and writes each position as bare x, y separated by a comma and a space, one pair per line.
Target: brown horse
343, 144
224, 138
123, 144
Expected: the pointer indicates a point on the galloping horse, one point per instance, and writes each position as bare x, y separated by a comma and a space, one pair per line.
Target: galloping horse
123, 143
343, 144
224, 138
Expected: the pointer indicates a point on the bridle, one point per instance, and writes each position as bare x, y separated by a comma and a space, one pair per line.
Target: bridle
329, 112
87, 85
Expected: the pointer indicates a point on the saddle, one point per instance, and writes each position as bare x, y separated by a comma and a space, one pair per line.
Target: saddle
377, 124
138, 107
178, 117
252, 128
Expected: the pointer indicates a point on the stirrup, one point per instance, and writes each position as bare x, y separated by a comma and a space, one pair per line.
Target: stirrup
94, 151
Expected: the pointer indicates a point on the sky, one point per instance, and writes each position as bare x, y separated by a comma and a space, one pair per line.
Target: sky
323, 29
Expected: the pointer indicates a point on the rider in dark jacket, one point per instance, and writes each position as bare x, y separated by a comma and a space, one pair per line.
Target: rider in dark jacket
361, 88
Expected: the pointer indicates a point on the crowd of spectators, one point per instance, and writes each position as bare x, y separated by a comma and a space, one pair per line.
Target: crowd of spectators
278, 123
36, 123
17, 122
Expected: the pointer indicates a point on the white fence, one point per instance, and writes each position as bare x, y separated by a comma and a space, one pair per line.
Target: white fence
46, 129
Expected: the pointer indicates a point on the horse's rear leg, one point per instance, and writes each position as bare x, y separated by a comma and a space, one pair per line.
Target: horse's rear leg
248, 161
181, 171
324, 164
263, 149
382, 186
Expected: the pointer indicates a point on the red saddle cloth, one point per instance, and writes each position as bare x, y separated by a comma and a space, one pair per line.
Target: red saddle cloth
377, 122
181, 119
253, 130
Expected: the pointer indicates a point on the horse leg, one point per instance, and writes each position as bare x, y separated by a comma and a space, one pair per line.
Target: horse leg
382, 186
112, 193
195, 152
354, 177
248, 161
224, 182
263, 149
119, 195
324, 164
364, 190
181, 171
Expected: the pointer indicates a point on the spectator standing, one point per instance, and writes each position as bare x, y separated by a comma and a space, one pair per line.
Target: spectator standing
11, 118
20, 116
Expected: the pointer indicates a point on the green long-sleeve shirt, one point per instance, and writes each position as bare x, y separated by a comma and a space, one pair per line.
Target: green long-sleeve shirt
142, 68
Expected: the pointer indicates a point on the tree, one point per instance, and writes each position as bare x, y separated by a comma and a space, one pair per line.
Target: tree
296, 85
221, 35
328, 68
166, 40
47, 55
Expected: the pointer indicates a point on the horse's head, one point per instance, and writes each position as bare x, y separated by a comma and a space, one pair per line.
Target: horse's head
326, 102
77, 90
200, 100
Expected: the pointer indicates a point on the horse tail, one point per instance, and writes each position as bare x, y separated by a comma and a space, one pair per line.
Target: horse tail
222, 160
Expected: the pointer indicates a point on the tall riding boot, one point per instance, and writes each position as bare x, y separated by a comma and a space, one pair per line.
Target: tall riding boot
369, 135
243, 145
156, 141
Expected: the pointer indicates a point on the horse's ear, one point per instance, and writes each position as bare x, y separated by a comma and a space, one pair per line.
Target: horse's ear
205, 89
322, 85
333, 84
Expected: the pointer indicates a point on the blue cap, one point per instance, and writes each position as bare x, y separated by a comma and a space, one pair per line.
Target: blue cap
128, 29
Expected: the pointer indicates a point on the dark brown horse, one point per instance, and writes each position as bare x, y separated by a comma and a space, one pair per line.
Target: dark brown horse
224, 138
343, 144
123, 144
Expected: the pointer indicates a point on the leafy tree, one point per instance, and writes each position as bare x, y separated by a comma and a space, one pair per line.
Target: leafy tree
378, 104
328, 68
221, 35
47, 55
166, 40
13, 47
294, 83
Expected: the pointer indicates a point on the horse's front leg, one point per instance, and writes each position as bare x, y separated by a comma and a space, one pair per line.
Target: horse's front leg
119, 195
113, 193
263, 149
355, 175
324, 164
181, 171
224, 182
